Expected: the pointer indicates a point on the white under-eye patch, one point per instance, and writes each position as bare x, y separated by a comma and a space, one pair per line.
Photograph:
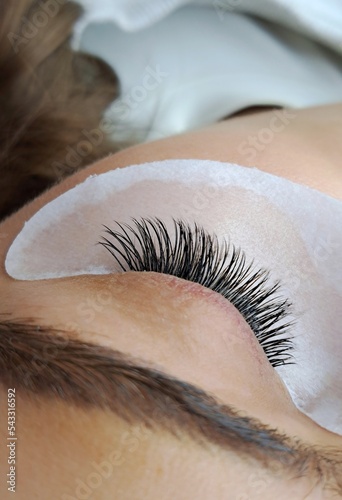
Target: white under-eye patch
293, 230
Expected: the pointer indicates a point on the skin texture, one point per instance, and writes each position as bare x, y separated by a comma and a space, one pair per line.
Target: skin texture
146, 309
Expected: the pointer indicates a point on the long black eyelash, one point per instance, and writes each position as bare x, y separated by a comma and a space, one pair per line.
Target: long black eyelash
195, 255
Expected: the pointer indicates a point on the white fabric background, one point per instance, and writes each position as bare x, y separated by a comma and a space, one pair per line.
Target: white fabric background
214, 59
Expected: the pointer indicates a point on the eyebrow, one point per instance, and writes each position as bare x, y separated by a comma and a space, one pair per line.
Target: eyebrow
49, 363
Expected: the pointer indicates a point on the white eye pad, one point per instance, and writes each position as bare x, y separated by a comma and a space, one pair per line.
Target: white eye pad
293, 231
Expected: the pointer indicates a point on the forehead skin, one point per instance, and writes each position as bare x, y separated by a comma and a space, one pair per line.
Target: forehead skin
67, 453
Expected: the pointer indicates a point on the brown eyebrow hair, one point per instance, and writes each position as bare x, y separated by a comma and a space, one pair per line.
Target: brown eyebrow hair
45, 362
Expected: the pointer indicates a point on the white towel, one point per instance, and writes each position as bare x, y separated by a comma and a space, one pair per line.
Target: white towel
209, 60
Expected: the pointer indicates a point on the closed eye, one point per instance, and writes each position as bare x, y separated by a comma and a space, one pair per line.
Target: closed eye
191, 253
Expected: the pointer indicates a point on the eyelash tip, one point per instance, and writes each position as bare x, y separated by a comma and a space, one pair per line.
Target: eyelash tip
198, 256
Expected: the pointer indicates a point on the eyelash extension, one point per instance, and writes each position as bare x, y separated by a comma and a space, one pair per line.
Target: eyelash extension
195, 255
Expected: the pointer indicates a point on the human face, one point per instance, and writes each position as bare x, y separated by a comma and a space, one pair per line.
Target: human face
148, 309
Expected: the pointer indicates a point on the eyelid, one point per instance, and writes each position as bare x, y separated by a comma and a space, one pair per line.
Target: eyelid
191, 253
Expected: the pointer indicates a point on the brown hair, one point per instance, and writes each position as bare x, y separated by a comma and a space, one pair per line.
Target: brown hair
50, 97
